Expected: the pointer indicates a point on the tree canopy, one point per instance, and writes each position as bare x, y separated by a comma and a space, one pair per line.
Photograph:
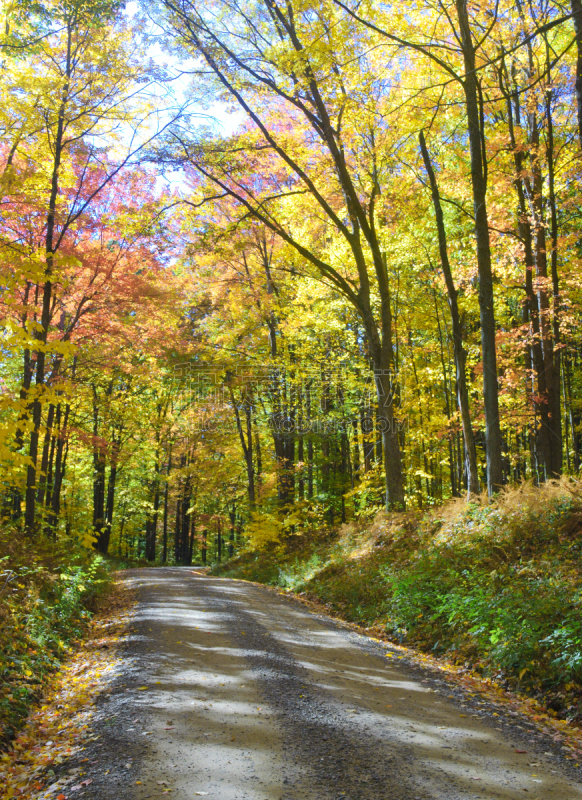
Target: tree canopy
359, 290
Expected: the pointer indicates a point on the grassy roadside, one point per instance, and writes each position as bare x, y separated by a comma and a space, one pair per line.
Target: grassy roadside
496, 588
48, 592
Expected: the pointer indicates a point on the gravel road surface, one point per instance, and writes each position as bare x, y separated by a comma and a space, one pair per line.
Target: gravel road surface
231, 691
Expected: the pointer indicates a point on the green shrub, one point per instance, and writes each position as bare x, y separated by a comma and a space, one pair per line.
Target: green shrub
497, 586
47, 594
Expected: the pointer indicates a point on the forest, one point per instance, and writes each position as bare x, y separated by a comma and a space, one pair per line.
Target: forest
275, 273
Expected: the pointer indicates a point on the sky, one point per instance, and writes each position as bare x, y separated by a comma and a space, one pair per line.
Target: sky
214, 115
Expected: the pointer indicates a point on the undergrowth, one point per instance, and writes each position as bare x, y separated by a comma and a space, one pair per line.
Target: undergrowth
496, 587
47, 593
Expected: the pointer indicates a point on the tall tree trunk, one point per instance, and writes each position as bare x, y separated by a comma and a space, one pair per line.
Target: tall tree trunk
41, 333
232, 517
152, 521
478, 159
42, 483
204, 548
99, 523
62, 447
356, 454
577, 19
556, 409
51, 460
165, 524
219, 540
246, 440
548, 387
458, 348
110, 497
60, 460
177, 550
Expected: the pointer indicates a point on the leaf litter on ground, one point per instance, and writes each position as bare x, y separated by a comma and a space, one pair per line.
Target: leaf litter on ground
58, 729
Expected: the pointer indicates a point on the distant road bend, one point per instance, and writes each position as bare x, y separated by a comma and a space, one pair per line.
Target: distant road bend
231, 691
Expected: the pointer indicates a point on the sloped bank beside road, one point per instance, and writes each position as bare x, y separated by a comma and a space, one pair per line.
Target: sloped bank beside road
493, 590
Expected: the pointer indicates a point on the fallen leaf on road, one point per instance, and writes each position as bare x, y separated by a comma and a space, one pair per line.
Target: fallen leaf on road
521, 751
142, 688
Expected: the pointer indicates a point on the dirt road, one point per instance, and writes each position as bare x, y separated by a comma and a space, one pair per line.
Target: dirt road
230, 691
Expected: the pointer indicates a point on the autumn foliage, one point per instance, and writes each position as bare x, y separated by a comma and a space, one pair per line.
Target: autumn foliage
355, 291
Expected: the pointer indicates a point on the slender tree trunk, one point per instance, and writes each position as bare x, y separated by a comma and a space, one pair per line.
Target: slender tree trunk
192, 537
166, 488
550, 414
110, 501
356, 454
577, 19
60, 462
259, 472
486, 298
246, 440
152, 521
99, 523
309, 444
204, 549
42, 330
232, 517
51, 460
574, 419
218, 540
458, 348
556, 409
177, 549
42, 483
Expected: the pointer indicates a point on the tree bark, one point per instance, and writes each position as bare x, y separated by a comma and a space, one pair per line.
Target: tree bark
478, 160
166, 489
458, 347
246, 440
42, 330
577, 19
152, 521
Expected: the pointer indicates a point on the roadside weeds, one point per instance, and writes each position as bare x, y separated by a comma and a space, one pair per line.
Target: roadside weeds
35, 765
567, 737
